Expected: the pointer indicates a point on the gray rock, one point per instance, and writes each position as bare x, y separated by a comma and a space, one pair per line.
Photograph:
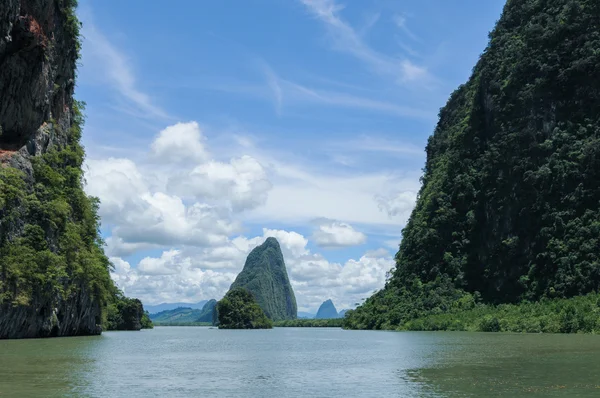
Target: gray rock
38, 54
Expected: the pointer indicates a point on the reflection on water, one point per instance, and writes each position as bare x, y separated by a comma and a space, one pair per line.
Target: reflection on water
187, 361
513, 365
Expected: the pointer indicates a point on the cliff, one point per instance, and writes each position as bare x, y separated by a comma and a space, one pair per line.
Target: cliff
207, 313
509, 204
265, 276
54, 276
327, 311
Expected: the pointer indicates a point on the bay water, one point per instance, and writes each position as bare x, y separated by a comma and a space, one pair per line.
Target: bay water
301, 362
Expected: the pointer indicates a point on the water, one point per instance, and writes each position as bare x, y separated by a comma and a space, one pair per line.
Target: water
301, 362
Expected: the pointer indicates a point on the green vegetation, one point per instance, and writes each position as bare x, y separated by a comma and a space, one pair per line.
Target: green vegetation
508, 211
125, 313
265, 275
186, 316
309, 323
52, 262
207, 313
60, 246
239, 310
178, 315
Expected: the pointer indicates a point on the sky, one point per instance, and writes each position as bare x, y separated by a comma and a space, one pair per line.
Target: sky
212, 125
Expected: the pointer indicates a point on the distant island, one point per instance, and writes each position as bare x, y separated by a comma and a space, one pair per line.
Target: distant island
265, 276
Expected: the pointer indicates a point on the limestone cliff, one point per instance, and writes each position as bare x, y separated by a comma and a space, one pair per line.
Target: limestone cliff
54, 276
327, 311
265, 276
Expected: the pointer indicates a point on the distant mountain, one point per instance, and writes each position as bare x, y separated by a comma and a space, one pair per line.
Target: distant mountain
265, 276
327, 311
206, 315
180, 314
154, 309
342, 313
305, 315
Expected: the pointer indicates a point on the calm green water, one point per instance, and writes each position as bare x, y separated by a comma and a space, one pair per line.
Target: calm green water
302, 362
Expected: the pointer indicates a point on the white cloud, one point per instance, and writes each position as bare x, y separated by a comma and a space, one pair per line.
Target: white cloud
114, 68
182, 274
346, 39
180, 143
169, 263
197, 227
400, 21
412, 72
286, 92
242, 183
398, 205
299, 195
331, 233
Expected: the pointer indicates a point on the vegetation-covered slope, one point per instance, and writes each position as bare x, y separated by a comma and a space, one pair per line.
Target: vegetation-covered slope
265, 276
178, 315
509, 208
186, 315
207, 313
54, 276
239, 310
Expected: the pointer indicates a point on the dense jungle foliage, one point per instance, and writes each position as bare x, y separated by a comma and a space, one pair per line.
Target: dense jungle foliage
61, 241
509, 208
239, 310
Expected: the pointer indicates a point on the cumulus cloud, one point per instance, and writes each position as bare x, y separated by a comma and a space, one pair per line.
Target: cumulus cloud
331, 233
188, 274
181, 142
192, 215
242, 182
399, 204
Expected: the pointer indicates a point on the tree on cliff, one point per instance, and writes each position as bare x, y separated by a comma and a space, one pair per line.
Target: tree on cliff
239, 310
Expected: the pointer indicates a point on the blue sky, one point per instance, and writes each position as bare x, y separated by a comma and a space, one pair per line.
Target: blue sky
213, 124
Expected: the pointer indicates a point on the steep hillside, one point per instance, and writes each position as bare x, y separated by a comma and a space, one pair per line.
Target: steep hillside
54, 276
509, 208
265, 276
207, 313
178, 315
327, 311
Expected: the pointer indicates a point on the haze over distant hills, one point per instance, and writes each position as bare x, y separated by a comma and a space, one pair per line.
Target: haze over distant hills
154, 309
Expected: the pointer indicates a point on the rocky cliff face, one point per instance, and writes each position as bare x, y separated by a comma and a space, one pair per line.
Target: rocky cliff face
327, 311
53, 273
265, 276
38, 52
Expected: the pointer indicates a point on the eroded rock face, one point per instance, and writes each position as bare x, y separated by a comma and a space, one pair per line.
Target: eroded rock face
77, 316
38, 54
37, 70
265, 276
